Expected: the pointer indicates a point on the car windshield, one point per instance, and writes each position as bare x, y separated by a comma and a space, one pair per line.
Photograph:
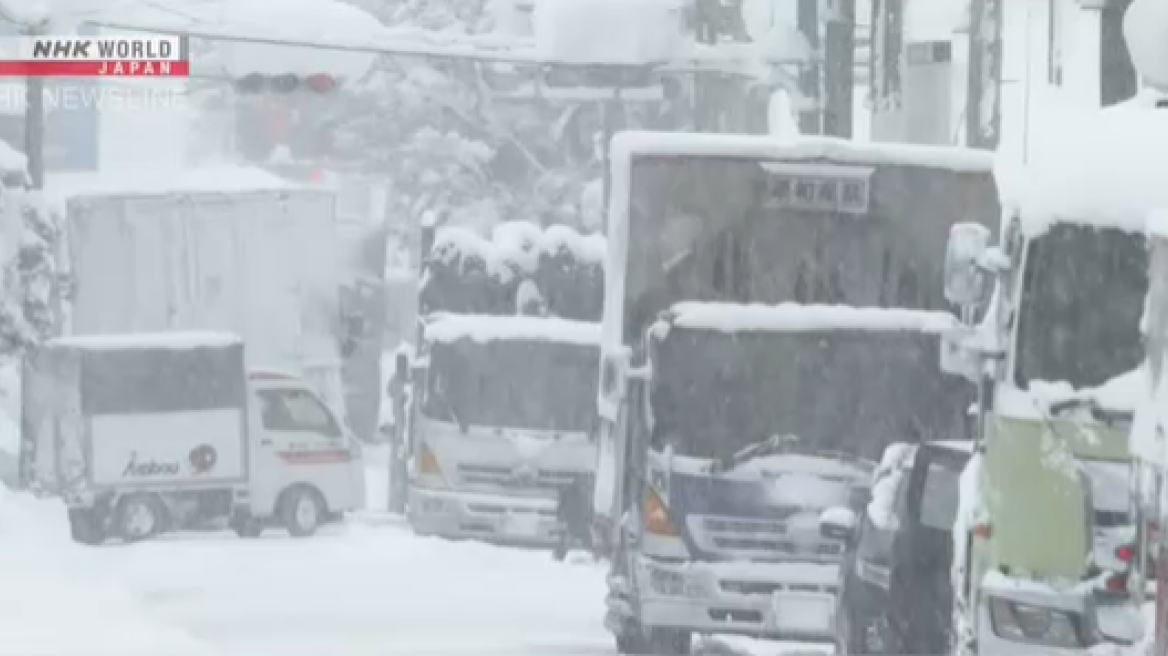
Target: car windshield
714, 393
535, 385
1082, 301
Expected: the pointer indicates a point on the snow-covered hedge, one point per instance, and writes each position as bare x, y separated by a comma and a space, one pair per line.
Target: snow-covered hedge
30, 274
522, 265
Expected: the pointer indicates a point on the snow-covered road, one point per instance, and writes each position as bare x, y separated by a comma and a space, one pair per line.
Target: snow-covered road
366, 588
366, 591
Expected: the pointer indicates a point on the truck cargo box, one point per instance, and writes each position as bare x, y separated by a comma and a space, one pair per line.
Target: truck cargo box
135, 411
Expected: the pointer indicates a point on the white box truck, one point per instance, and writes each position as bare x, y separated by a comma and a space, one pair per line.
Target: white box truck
152, 432
262, 262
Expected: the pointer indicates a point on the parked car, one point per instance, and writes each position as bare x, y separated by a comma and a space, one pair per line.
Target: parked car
895, 592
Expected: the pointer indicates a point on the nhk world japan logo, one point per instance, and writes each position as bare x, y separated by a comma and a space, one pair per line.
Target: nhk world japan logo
94, 56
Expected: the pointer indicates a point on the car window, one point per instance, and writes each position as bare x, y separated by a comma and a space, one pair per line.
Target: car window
296, 411
940, 497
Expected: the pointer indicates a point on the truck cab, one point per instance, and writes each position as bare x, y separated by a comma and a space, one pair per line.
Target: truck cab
307, 467
503, 423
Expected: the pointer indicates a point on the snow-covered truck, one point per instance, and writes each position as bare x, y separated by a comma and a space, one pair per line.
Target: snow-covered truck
839, 239
504, 423
146, 433
203, 253
516, 313
1057, 361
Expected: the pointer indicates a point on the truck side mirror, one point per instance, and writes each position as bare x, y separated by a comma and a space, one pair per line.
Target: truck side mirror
967, 283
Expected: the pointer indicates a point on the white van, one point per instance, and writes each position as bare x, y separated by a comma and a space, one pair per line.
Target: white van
146, 433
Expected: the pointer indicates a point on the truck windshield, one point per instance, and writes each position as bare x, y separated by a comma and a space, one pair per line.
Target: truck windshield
715, 393
513, 384
752, 230
1082, 300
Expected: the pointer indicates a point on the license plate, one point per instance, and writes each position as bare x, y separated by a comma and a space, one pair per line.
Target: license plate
523, 524
802, 613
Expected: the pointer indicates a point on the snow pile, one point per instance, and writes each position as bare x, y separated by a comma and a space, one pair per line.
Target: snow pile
224, 179
1105, 174
634, 31
449, 328
806, 491
176, 341
53, 605
793, 317
584, 248
886, 483
795, 463
1120, 393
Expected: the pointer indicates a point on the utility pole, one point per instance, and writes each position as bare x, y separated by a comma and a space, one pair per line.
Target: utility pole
810, 79
983, 110
840, 69
707, 19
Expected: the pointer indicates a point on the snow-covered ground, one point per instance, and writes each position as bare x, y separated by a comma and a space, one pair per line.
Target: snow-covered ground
366, 588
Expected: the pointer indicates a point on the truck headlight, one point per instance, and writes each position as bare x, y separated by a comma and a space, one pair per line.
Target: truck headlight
1038, 625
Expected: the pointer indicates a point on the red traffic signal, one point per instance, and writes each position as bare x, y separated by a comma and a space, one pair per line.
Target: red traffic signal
321, 82
256, 83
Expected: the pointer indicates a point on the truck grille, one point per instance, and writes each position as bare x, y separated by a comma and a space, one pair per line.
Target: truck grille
496, 476
768, 588
763, 539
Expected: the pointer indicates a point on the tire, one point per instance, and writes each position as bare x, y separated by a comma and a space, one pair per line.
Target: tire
85, 526
302, 511
140, 517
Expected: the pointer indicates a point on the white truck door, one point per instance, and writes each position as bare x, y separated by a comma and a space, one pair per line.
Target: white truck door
308, 446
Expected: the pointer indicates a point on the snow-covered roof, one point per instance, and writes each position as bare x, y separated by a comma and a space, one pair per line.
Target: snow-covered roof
1099, 168
447, 328
626, 145
793, 317
126, 341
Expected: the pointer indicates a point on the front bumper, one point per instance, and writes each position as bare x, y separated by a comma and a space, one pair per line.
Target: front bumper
501, 518
781, 601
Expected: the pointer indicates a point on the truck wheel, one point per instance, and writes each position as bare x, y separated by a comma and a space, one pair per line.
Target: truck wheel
140, 517
302, 512
85, 526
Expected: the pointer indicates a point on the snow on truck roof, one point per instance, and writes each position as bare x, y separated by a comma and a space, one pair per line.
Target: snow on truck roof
627, 144
1102, 168
793, 317
127, 341
221, 179
480, 328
